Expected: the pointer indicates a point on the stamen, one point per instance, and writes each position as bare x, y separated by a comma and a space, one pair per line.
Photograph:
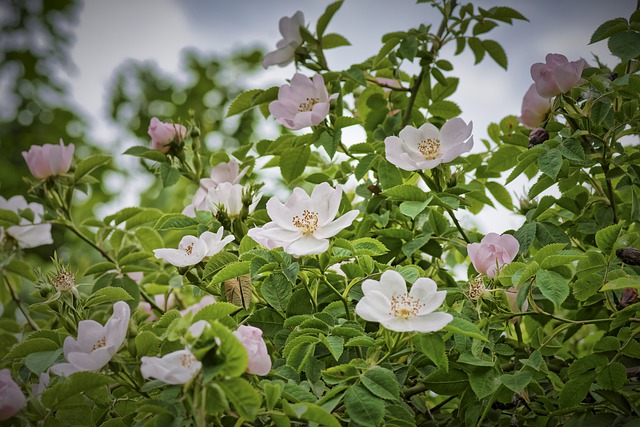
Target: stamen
476, 288
405, 306
101, 343
189, 249
64, 280
187, 360
308, 223
308, 104
430, 148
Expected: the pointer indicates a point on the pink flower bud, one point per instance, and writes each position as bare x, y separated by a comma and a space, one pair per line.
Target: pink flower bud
163, 134
11, 397
251, 339
557, 75
49, 160
538, 136
534, 108
493, 252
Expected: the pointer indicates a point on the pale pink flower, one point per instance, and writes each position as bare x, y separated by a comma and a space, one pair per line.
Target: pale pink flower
428, 147
291, 40
534, 108
388, 303
251, 339
27, 234
49, 160
303, 225
163, 134
492, 253
178, 367
160, 300
12, 399
303, 103
222, 172
228, 197
557, 75
195, 308
96, 344
191, 249
41, 386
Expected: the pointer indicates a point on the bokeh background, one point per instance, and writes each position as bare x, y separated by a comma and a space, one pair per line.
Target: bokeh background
94, 73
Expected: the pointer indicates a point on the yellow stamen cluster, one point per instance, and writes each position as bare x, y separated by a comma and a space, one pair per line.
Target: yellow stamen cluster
476, 288
308, 223
430, 148
405, 306
189, 249
308, 104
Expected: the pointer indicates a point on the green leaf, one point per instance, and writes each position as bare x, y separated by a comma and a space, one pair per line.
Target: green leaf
233, 352
622, 283
444, 109
293, 161
608, 29
215, 311
447, 383
364, 165
500, 194
414, 244
550, 162
369, 246
277, 291
606, 238
174, 221
482, 27
561, 258
575, 390
244, 398
548, 233
363, 407
409, 47
21, 268
243, 102
9, 217
148, 238
169, 175
586, 286
41, 361
324, 20
548, 250
73, 385
218, 261
477, 47
525, 236
386, 48
553, 286
230, 271
432, 346
88, 165
625, 44
267, 319
462, 326
147, 344
389, 175
516, 382
314, 414
572, 150
406, 192
381, 382
110, 294
484, 382
334, 40
33, 345
496, 52
412, 209
612, 376
146, 153
335, 345
600, 110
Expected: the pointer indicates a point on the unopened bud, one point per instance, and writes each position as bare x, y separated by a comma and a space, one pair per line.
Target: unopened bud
630, 256
538, 136
629, 296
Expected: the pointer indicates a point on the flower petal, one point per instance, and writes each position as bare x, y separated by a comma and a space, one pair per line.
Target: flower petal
307, 245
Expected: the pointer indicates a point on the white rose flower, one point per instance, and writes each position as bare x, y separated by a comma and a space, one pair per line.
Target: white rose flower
192, 249
291, 40
28, 234
178, 367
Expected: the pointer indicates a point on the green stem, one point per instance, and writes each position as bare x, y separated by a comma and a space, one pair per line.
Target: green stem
344, 299
18, 301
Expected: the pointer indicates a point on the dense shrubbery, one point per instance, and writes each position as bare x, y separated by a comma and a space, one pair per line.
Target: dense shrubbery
340, 305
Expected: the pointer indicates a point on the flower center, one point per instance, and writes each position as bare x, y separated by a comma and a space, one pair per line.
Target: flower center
101, 343
308, 104
476, 288
187, 360
405, 306
308, 223
189, 249
430, 148
64, 280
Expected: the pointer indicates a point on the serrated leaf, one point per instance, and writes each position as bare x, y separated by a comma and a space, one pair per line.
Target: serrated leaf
606, 238
447, 383
29, 346
444, 109
230, 271
333, 40
409, 47
516, 382
477, 48
216, 311
550, 162
243, 102
622, 283
553, 286
406, 192
99, 268
72, 386
169, 175
608, 29
363, 407
462, 326
500, 194
90, 164
390, 176
41, 361
612, 376
381, 382
244, 398
335, 345
110, 294
625, 44
525, 236
174, 221
293, 162
432, 346
324, 20
277, 290
146, 153
369, 246
484, 382
313, 413
412, 208
496, 52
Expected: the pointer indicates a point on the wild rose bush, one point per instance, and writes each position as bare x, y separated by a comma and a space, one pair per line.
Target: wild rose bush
333, 308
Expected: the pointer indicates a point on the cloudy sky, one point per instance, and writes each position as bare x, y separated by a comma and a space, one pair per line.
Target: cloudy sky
111, 31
